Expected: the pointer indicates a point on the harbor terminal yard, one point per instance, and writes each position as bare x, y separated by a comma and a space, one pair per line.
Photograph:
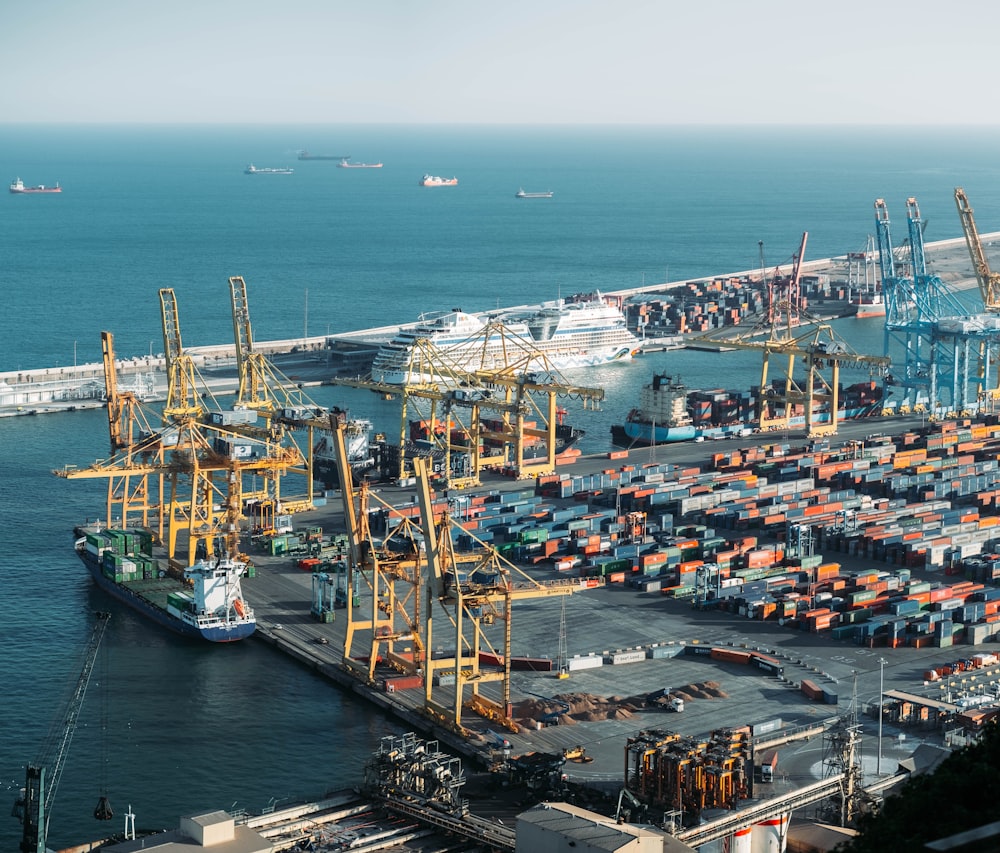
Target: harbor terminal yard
713, 587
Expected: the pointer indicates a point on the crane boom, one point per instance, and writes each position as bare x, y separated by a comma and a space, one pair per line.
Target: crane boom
915, 226
886, 260
39, 794
182, 395
111, 391
989, 281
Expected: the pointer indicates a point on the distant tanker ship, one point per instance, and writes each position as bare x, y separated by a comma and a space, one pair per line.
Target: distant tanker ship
18, 188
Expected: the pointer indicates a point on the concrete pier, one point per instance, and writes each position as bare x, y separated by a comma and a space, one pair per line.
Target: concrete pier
41, 390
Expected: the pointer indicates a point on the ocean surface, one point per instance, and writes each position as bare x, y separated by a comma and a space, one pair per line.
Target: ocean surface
171, 726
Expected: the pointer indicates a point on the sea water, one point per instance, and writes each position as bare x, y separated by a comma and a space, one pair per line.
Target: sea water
171, 726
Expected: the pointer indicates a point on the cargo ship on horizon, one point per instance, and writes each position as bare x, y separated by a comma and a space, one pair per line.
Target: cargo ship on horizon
267, 170
522, 194
17, 187
435, 181
208, 604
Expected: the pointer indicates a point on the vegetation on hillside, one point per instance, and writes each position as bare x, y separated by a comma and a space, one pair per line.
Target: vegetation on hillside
961, 794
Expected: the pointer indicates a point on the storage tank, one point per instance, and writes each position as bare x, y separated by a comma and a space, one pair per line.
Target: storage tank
769, 836
742, 841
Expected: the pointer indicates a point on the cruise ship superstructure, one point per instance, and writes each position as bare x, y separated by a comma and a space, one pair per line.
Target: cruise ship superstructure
565, 334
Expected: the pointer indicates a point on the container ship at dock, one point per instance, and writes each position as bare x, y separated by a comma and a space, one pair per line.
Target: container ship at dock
208, 604
866, 305
670, 412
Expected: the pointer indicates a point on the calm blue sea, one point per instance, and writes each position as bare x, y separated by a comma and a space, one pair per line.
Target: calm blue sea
326, 249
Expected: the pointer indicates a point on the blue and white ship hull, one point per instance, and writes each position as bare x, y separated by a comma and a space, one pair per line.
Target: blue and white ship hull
237, 623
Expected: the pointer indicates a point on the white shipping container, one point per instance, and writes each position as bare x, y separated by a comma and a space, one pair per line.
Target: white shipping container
588, 662
970, 549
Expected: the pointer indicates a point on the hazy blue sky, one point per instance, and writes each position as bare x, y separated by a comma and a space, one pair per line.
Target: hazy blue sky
524, 61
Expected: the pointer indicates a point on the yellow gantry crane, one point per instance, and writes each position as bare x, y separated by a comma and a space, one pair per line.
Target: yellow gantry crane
391, 631
276, 398
185, 477
793, 334
473, 597
489, 410
820, 350
989, 281
475, 590
127, 422
183, 400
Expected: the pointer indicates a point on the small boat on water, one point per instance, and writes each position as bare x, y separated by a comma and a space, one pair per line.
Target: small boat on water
254, 170
208, 604
347, 164
18, 188
522, 194
435, 181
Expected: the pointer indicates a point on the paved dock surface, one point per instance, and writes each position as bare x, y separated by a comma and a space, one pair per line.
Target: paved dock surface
603, 620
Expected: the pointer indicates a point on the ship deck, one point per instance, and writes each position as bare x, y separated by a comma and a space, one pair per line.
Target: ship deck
156, 590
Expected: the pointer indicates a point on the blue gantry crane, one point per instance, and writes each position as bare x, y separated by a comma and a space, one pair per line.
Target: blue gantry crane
929, 345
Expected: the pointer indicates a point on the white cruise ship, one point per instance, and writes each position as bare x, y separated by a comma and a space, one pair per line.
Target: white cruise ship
581, 331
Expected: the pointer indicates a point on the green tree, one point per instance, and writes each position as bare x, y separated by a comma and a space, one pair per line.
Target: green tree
961, 794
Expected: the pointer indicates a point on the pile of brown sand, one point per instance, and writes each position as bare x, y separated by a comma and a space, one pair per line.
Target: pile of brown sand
566, 709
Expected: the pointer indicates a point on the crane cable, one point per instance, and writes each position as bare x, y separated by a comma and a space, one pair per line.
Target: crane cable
103, 810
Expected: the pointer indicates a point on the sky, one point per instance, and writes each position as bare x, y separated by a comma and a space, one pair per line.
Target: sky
656, 62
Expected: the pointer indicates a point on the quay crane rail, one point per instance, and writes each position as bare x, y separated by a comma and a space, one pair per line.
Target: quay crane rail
35, 806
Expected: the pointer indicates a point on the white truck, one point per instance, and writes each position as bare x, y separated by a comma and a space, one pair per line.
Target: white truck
663, 699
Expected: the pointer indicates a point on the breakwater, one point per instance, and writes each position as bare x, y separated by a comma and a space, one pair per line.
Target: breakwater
51, 389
